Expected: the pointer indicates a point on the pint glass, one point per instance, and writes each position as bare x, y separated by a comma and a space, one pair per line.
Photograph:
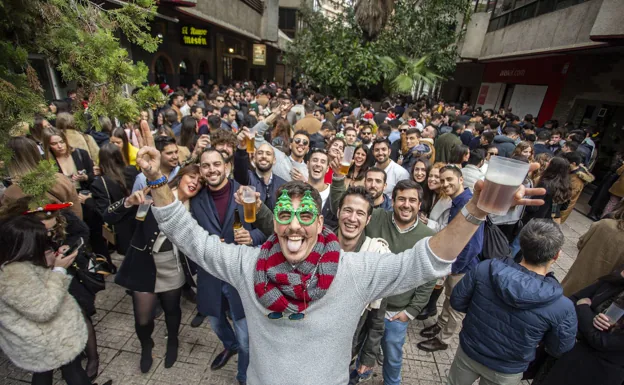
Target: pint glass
503, 178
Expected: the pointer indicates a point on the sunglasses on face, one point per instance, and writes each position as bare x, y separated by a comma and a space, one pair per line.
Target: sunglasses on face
301, 141
492, 153
366, 133
220, 100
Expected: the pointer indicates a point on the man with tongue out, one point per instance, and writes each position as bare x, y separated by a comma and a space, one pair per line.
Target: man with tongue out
302, 296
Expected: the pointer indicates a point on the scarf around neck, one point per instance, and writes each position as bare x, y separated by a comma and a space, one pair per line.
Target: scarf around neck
280, 287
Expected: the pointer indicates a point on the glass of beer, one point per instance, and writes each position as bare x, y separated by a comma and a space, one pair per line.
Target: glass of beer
143, 209
504, 176
249, 204
347, 157
251, 141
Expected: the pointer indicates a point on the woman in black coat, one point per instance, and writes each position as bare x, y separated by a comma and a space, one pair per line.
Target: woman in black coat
154, 269
113, 185
598, 356
556, 181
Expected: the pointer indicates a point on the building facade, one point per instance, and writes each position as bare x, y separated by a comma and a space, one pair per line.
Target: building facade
554, 59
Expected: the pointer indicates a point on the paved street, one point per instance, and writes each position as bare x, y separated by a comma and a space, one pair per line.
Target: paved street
119, 348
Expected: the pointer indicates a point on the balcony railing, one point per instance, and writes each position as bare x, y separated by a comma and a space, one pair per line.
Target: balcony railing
508, 12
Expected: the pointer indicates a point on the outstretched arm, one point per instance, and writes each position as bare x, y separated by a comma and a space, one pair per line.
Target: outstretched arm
448, 243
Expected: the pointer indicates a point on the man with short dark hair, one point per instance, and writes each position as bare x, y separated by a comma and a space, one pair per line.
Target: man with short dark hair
506, 144
189, 101
177, 101
556, 138
228, 119
375, 184
471, 172
449, 321
322, 138
366, 136
499, 291
202, 122
169, 161
350, 135
394, 172
308, 123
541, 144
332, 114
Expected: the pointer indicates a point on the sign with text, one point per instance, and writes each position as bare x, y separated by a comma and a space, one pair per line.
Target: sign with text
194, 36
259, 54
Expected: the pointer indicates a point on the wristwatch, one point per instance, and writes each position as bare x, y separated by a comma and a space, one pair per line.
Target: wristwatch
471, 218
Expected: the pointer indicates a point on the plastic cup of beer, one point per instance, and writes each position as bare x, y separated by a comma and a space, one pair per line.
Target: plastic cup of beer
614, 313
504, 176
251, 141
345, 163
143, 209
249, 204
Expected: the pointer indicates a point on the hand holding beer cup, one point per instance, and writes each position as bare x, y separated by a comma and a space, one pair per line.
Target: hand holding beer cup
347, 157
504, 176
250, 200
516, 197
242, 137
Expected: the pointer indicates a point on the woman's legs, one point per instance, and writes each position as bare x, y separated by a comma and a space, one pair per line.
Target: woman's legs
44, 378
144, 325
170, 301
74, 374
93, 359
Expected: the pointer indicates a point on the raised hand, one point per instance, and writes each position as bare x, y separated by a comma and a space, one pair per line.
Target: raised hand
148, 159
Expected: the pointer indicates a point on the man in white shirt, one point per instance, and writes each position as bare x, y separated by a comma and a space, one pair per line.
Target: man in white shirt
394, 172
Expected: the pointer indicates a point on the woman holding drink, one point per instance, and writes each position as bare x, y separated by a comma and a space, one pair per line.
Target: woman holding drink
154, 269
598, 356
361, 163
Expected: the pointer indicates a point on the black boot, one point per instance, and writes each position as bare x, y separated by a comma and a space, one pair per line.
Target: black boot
144, 332
431, 308
172, 352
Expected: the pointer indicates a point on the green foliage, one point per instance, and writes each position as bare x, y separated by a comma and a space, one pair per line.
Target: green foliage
81, 39
38, 182
337, 56
401, 74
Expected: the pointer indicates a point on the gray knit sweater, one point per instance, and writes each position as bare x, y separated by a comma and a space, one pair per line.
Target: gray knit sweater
317, 349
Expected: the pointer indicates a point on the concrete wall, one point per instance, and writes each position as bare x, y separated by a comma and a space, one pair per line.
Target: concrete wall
465, 83
290, 3
234, 12
609, 21
592, 77
476, 29
564, 29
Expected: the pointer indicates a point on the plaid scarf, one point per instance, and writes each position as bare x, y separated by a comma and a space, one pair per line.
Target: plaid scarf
282, 288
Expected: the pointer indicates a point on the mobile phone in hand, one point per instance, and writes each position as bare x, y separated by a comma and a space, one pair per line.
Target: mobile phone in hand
76, 246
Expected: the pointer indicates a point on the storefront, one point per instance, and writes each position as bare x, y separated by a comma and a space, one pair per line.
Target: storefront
530, 86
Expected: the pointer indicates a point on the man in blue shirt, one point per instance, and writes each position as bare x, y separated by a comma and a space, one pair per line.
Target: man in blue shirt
449, 321
169, 163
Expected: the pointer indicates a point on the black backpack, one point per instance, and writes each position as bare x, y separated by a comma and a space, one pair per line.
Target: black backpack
495, 243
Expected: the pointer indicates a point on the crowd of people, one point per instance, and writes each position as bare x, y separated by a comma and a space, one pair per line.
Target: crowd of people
336, 260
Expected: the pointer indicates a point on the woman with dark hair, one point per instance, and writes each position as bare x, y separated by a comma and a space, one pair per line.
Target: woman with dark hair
280, 136
598, 356
36, 130
128, 151
361, 163
113, 185
459, 155
420, 174
155, 270
41, 326
556, 181
188, 138
25, 158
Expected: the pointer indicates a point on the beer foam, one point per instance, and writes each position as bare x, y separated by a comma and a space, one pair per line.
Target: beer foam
505, 179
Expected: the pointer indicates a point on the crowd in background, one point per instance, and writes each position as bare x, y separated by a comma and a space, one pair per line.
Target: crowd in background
415, 160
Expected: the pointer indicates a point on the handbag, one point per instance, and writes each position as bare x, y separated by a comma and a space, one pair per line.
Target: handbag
108, 231
495, 243
91, 274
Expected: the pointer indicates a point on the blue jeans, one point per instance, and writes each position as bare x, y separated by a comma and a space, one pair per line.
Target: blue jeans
392, 345
234, 339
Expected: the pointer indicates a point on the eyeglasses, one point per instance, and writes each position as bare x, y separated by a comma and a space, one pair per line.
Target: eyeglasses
220, 100
293, 317
305, 142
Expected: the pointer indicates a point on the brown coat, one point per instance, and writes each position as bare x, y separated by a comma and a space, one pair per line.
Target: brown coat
618, 187
63, 191
308, 123
78, 139
601, 249
579, 178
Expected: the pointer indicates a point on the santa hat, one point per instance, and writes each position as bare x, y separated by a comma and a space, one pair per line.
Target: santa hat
368, 115
49, 208
164, 87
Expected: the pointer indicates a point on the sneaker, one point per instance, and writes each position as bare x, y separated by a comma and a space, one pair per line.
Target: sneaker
356, 378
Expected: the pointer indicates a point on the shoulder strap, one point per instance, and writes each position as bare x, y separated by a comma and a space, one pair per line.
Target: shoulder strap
106, 188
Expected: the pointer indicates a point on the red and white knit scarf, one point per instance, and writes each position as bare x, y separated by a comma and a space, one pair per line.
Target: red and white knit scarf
282, 288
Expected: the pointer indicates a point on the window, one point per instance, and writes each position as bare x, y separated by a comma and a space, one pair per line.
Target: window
507, 12
288, 21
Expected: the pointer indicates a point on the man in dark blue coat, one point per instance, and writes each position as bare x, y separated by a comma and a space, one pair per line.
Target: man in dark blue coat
213, 208
262, 178
510, 308
449, 321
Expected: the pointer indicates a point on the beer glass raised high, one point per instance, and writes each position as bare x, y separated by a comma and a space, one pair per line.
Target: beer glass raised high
249, 204
503, 178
